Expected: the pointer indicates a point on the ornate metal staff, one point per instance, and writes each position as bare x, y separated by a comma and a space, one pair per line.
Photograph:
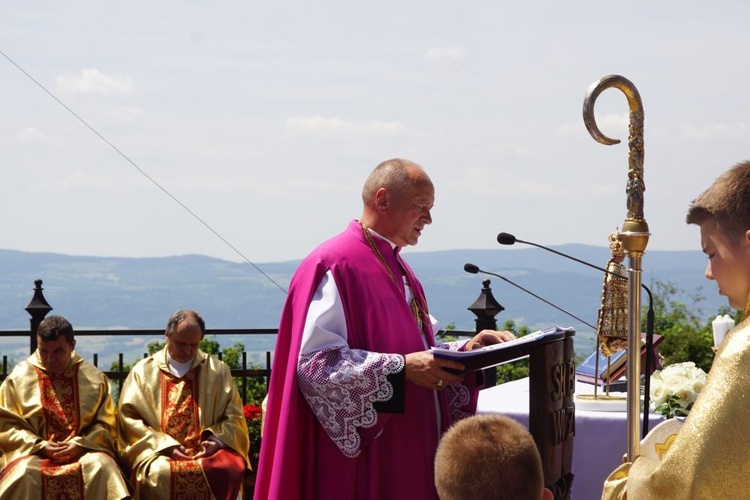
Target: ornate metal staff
634, 234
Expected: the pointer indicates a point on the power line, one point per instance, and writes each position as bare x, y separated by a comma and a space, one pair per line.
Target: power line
141, 171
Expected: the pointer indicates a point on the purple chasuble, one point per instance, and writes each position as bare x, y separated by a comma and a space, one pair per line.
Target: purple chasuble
395, 453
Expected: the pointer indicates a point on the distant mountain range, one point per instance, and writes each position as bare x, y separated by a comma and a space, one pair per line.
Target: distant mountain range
141, 293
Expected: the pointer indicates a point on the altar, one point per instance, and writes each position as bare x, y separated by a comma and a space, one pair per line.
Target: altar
600, 440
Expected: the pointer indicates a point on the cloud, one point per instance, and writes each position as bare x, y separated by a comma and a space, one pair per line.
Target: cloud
518, 153
494, 182
79, 180
30, 136
133, 341
127, 115
609, 124
571, 129
257, 187
450, 54
93, 81
209, 185
690, 131
321, 126
601, 189
314, 124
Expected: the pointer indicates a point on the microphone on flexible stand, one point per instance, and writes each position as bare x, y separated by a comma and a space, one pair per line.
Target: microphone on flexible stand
509, 239
473, 269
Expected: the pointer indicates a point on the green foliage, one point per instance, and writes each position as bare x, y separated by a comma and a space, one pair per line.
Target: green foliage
514, 370
256, 389
517, 369
155, 346
114, 387
446, 337
210, 345
668, 313
232, 356
519, 331
685, 339
671, 408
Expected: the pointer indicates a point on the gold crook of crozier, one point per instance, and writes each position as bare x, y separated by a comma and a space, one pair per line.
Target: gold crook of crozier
635, 222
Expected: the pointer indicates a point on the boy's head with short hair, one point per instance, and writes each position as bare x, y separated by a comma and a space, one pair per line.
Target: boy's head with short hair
489, 457
723, 214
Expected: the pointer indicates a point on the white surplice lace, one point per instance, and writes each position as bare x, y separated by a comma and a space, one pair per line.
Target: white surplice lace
341, 385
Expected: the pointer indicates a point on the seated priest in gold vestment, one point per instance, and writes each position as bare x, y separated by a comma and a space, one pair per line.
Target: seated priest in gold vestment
708, 458
182, 430
57, 424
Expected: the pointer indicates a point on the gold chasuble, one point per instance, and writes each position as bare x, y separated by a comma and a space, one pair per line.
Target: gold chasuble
74, 406
710, 456
159, 411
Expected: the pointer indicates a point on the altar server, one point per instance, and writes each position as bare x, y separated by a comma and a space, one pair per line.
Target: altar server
709, 456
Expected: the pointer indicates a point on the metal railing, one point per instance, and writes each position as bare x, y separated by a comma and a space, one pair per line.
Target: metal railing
119, 372
485, 308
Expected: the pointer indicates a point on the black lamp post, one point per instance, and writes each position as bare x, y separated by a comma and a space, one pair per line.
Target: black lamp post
38, 309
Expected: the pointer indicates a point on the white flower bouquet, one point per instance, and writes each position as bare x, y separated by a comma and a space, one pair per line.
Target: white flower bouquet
675, 388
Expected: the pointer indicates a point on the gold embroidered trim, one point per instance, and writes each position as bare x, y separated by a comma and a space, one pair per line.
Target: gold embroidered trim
416, 310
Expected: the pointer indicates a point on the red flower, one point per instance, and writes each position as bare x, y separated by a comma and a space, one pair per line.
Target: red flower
252, 411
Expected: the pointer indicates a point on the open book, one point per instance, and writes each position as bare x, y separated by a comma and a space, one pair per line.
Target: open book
491, 355
586, 371
609, 367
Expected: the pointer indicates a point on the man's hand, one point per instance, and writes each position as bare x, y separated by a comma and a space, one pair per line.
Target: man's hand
426, 370
62, 453
50, 449
178, 453
488, 337
208, 448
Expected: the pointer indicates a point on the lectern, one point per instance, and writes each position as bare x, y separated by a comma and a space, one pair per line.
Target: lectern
551, 400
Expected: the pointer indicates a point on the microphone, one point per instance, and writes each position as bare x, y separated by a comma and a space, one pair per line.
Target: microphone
509, 239
473, 269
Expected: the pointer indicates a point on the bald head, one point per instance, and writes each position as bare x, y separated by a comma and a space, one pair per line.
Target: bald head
394, 175
398, 196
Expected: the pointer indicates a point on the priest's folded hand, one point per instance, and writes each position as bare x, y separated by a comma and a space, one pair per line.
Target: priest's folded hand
208, 448
178, 453
62, 453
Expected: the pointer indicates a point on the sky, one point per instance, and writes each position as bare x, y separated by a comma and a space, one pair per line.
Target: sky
244, 130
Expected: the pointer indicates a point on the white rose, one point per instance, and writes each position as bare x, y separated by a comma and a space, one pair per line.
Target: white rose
658, 394
685, 393
698, 375
673, 381
698, 385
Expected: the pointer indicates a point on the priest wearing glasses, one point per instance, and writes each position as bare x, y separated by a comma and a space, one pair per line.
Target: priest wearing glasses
182, 432
357, 402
